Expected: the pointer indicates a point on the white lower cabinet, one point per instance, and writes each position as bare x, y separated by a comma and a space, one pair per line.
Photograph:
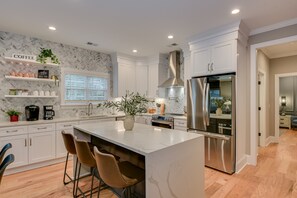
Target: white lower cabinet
19, 149
142, 119
41, 146
180, 124
60, 147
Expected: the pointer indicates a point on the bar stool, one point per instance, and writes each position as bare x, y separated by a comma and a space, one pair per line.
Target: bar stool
8, 160
85, 157
117, 175
3, 151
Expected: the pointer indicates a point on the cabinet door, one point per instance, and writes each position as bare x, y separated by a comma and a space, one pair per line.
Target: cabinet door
201, 61
41, 146
19, 149
223, 57
60, 147
153, 81
141, 79
126, 79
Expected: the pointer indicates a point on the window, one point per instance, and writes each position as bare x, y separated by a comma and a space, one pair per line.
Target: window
81, 87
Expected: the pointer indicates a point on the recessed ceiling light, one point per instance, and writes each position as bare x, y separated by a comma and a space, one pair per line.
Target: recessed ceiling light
52, 28
134, 51
170, 36
235, 11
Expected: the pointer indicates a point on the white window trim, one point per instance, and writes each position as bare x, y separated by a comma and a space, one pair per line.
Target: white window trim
65, 71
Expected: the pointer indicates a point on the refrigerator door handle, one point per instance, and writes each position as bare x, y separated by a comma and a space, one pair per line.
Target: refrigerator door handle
212, 135
204, 105
207, 104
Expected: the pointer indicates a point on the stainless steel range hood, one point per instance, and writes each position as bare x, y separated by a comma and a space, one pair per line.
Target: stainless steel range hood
174, 66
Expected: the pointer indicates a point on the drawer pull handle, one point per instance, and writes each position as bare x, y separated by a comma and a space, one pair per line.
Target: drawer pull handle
13, 131
67, 125
282, 123
41, 128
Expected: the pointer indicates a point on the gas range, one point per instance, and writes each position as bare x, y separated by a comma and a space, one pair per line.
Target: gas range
165, 121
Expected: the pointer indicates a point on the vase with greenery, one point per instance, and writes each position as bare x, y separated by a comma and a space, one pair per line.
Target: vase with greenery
14, 115
219, 102
131, 104
47, 55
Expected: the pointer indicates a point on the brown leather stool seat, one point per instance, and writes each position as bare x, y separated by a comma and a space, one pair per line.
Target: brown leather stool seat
120, 175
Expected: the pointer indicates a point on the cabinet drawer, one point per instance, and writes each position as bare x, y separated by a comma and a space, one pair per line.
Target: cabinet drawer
181, 123
8, 131
65, 125
41, 128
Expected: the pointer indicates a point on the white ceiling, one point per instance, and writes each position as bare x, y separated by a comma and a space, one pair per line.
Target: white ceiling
281, 50
122, 25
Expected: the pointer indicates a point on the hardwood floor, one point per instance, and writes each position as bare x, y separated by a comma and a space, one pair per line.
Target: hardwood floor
274, 176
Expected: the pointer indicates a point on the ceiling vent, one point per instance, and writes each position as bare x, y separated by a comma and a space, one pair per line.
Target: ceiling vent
92, 44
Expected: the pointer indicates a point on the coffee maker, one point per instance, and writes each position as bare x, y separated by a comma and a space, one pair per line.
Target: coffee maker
48, 112
32, 112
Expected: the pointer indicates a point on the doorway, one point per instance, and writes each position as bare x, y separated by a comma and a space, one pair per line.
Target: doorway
254, 115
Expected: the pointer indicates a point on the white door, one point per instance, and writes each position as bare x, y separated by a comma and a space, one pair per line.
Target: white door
223, 57
41, 146
201, 61
142, 80
19, 149
262, 109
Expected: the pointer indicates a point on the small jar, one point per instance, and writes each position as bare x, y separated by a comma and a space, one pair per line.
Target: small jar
19, 92
12, 91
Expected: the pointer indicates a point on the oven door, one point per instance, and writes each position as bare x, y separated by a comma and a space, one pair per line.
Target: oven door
162, 124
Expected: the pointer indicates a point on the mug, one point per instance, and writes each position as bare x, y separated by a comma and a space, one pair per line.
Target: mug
53, 93
35, 93
41, 93
47, 93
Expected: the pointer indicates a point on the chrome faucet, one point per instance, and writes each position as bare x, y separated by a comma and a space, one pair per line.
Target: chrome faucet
90, 109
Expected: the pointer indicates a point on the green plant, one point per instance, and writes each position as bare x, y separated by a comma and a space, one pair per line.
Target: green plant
130, 104
47, 53
12, 112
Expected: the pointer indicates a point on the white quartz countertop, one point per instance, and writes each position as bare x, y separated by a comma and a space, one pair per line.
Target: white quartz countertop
143, 139
55, 120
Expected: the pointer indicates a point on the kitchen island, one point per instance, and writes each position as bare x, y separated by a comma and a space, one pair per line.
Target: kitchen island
173, 160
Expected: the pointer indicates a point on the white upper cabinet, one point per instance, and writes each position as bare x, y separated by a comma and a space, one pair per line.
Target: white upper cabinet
123, 75
215, 59
153, 74
141, 77
217, 52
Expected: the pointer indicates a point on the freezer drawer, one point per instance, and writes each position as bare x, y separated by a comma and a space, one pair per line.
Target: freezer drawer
219, 151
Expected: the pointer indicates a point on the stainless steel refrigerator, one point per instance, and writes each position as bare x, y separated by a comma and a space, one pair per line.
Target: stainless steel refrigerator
211, 112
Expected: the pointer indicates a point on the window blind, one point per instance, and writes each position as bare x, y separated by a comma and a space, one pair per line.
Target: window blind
85, 88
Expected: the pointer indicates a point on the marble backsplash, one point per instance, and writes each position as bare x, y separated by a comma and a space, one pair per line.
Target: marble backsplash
69, 56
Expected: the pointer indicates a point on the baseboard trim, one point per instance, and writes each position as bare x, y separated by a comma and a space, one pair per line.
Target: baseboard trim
271, 139
240, 164
33, 166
